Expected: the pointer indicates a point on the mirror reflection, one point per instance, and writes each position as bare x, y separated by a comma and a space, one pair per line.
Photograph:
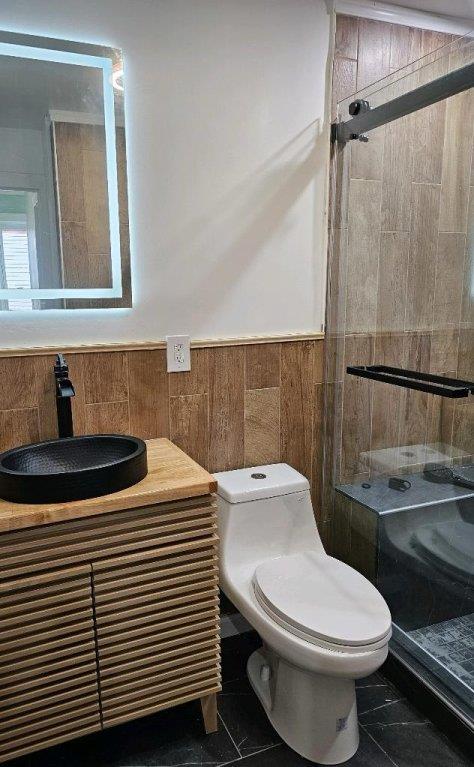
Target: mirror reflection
63, 200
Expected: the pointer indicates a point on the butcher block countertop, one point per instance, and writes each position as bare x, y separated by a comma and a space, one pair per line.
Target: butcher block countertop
172, 476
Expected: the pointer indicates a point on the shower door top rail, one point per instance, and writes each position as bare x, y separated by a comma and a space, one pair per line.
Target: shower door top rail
366, 119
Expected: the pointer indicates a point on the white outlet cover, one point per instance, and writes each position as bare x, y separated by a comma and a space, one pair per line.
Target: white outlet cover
178, 354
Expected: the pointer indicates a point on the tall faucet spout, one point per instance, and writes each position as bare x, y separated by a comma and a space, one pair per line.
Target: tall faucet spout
64, 392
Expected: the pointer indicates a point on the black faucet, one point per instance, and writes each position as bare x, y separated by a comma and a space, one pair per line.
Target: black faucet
64, 392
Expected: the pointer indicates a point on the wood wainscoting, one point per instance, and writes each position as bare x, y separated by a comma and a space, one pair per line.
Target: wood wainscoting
242, 404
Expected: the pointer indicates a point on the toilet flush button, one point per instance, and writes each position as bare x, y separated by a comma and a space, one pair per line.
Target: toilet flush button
265, 673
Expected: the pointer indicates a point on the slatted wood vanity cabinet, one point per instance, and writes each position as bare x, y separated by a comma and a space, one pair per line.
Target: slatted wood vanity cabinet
109, 607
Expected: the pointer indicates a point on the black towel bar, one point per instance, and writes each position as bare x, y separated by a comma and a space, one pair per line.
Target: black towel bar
412, 379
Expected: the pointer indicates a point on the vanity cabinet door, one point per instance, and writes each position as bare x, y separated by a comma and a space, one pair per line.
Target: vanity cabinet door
157, 623
48, 662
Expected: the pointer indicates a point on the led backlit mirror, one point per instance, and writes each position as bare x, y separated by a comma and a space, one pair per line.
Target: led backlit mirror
64, 240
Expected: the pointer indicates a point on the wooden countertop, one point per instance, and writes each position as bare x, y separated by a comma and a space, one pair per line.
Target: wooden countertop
172, 476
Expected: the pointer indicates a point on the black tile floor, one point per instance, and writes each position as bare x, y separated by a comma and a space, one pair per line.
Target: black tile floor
392, 732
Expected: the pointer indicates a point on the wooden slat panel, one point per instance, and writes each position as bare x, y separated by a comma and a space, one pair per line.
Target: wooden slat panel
33, 616
146, 677
69, 727
140, 584
55, 622
78, 666
201, 597
61, 629
49, 741
67, 698
28, 655
29, 662
85, 677
156, 661
187, 691
49, 719
110, 568
161, 597
151, 618
115, 643
142, 645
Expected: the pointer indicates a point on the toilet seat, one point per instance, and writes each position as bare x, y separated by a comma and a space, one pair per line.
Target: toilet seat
323, 601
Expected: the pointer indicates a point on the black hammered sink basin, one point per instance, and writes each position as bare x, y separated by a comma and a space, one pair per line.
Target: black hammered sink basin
72, 469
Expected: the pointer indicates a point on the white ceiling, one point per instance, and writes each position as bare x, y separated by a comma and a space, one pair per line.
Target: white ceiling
463, 9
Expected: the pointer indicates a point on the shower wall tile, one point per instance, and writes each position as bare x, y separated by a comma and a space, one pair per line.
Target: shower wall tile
391, 350
414, 404
392, 281
344, 81
405, 45
444, 350
367, 157
422, 257
357, 408
449, 281
374, 52
363, 255
456, 162
347, 37
397, 175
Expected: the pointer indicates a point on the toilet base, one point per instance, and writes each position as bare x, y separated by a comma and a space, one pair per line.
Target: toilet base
316, 715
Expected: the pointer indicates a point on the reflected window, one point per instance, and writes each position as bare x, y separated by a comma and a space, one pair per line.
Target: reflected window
18, 255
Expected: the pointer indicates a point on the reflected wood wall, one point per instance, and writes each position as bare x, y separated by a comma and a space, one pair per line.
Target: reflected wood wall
400, 266
238, 406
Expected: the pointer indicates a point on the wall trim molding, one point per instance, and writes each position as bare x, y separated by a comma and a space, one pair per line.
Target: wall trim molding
398, 14
36, 351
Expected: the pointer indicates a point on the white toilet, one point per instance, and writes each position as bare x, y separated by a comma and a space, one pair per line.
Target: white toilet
322, 624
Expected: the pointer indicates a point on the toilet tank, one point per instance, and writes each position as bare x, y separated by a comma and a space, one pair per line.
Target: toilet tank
264, 512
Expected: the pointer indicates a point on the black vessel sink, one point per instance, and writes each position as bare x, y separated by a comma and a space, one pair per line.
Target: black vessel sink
72, 469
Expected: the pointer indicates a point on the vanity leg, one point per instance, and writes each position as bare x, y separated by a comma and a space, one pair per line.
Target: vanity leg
209, 712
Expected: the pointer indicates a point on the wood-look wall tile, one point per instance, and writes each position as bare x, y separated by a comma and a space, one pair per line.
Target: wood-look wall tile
364, 541
467, 307
432, 40
433, 419
422, 257
390, 349
465, 366
78, 402
463, 427
405, 45
427, 129
397, 174
75, 256
17, 384
456, 171
297, 405
96, 202
357, 408
374, 52
347, 34
148, 394
105, 377
341, 528
194, 381
18, 427
363, 256
444, 350
414, 404
367, 158
392, 281
344, 81
449, 281
226, 408
43, 367
262, 426
318, 361
107, 418
189, 426
70, 172
321, 513
262, 366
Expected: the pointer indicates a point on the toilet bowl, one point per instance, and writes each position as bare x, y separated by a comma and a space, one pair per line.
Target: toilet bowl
322, 624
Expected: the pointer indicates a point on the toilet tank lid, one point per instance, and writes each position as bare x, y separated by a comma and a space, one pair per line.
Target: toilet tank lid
259, 482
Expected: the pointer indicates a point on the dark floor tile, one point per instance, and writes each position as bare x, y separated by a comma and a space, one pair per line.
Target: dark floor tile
375, 696
370, 681
397, 712
235, 652
172, 737
417, 744
369, 754
245, 718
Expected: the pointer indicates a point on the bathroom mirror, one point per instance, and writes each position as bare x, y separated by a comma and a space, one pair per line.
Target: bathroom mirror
64, 241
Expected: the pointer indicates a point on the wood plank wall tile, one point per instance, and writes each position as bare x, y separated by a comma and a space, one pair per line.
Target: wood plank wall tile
422, 257
297, 405
347, 37
449, 264
262, 426
195, 381
149, 385
18, 427
17, 384
105, 377
107, 418
189, 426
392, 281
456, 162
374, 52
262, 366
226, 408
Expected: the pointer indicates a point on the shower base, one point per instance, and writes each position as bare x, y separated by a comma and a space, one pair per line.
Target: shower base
451, 646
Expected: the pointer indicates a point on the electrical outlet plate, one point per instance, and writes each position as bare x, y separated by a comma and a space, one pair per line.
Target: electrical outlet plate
178, 354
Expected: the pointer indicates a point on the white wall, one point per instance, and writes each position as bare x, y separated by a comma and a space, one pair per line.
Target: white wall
227, 165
